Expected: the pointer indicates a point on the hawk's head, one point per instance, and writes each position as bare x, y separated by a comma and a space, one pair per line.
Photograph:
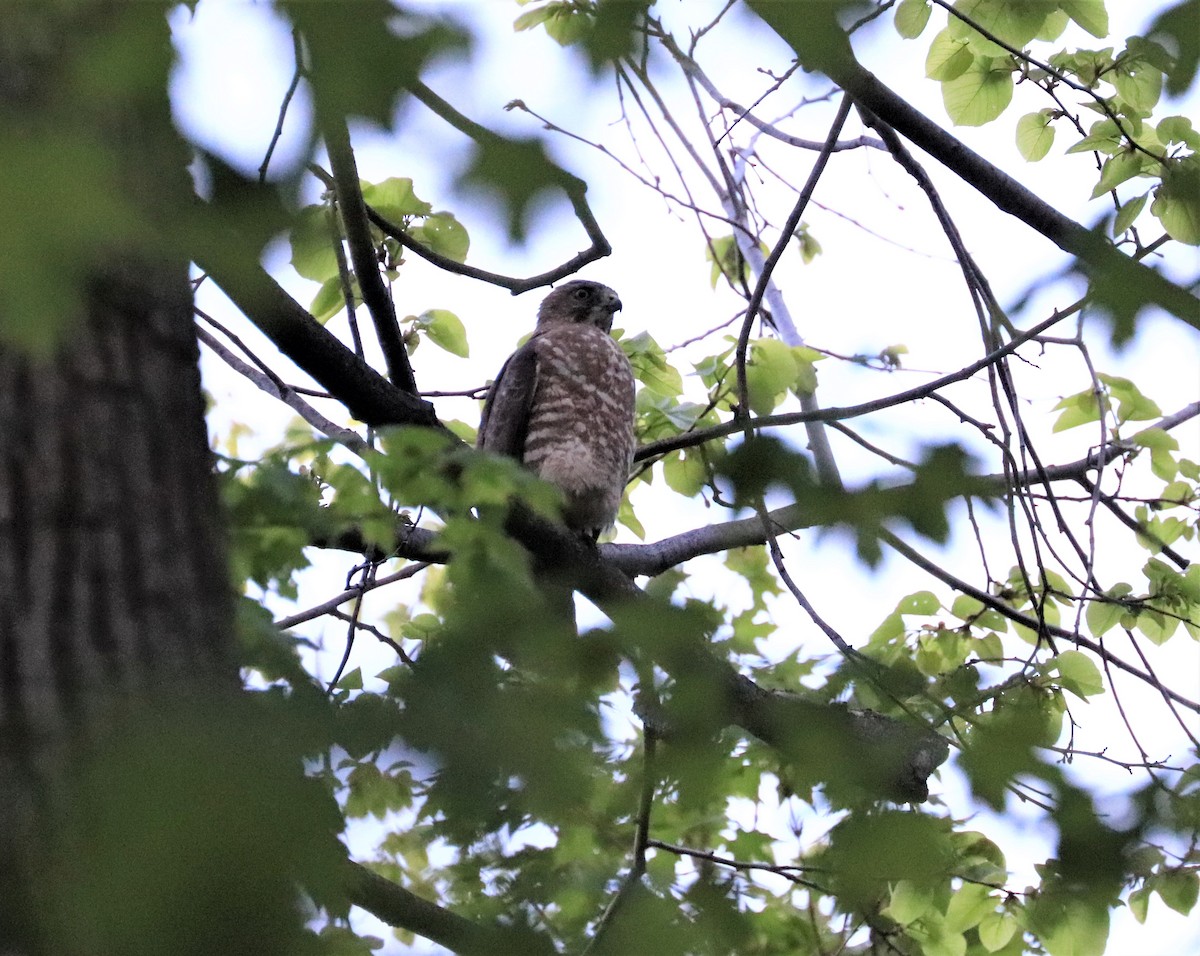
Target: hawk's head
580, 302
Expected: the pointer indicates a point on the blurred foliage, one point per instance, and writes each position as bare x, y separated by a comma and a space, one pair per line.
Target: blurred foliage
504, 755
976, 59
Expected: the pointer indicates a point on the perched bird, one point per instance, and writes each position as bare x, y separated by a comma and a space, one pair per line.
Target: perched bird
563, 405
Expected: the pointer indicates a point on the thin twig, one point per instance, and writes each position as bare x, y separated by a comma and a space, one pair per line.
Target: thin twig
1034, 625
274, 386
788, 872
325, 607
851, 411
298, 73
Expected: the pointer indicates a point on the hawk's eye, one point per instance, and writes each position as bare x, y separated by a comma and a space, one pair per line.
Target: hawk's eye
581, 294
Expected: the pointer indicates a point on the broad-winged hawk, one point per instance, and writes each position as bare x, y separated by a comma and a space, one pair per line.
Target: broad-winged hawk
563, 405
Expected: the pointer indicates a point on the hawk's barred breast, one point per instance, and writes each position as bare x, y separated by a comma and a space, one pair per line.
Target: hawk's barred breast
563, 405
580, 432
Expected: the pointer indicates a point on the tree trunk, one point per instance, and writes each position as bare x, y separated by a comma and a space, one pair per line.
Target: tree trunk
114, 594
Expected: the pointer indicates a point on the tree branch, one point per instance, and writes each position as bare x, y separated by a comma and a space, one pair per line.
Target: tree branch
367, 395
397, 906
817, 438
278, 389
904, 755
692, 69
362, 254
655, 558
574, 188
1038, 627
702, 435
820, 43
907, 754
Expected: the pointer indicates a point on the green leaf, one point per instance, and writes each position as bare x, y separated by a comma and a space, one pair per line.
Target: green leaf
531, 18
650, 365
312, 239
936, 939
891, 628
726, 260
1179, 889
516, 172
343, 51
1178, 129
771, 370
394, 199
1087, 65
627, 519
1158, 627
445, 330
351, 680
567, 23
1155, 437
1107, 143
1035, 135
1089, 14
980, 94
968, 907
1177, 201
1139, 903
1132, 405
1015, 23
1161, 444
685, 474
1102, 616
1128, 212
806, 370
1138, 83
869, 850
329, 300
1072, 927
443, 234
1079, 409
966, 608
995, 930
1000, 745
1116, 170
949, 57
1177, 26
910, 901
911, 18
1054, 26
919, 602
990, 647
809, 247
1079, 674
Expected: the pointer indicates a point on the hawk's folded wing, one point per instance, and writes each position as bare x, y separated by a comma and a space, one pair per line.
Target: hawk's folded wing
506, 410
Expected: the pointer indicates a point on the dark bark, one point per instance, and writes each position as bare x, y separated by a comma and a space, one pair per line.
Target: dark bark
114, 592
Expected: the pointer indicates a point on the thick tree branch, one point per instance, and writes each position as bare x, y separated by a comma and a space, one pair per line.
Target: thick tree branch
367, 395
399, 907
362, 254
906, 756
667, 553
813, 33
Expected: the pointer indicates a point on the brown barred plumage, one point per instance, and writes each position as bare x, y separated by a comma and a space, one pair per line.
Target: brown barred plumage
563, 405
